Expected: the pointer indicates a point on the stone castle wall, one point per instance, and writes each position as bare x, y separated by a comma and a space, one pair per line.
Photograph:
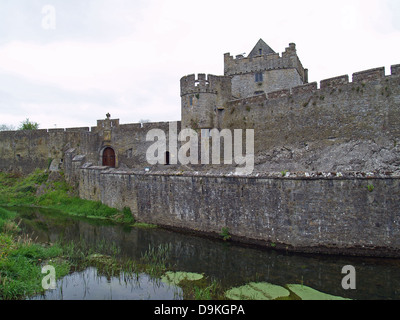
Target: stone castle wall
278, 72
244, 85
319, 214
341, 126
25, 151
320, 135
201, 98
287, 60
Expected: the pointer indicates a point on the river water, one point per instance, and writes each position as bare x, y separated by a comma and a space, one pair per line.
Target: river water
232, 265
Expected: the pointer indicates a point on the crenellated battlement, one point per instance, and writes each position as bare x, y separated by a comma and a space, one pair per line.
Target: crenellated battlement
203, 84
241, 65
362, 77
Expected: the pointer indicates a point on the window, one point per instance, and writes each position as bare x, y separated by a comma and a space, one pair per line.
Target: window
259, 77
191, 101
260, 52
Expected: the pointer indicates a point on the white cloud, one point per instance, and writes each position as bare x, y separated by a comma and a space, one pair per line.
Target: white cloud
126, 57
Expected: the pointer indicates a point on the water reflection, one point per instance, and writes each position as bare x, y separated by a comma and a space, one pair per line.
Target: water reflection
89, 285
232, 265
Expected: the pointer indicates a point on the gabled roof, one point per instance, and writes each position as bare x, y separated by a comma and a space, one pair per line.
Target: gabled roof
261, 45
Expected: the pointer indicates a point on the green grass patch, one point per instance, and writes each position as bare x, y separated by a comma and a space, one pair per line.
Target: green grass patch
42, 189
58, 199
21, 261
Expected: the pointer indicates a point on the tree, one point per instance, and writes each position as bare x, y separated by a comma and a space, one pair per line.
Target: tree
28, 125
5, 127
143, 121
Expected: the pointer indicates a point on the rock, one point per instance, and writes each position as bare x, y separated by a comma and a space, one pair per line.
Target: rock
54, 166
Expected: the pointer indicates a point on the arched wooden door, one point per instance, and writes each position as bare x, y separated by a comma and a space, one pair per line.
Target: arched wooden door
109, 157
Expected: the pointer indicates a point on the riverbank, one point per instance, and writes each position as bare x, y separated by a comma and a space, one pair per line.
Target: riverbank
110, 261
22, 260
162, 259
327, 213
50, 190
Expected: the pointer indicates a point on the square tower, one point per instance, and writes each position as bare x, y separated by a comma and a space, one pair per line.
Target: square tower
264, 71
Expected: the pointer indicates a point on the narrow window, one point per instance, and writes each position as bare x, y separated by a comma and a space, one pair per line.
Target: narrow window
260, 51
259, 77
167, 158
191, 101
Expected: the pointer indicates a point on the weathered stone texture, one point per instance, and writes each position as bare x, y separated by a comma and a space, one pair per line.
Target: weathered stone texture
201, 98
303, 214
348, 127
244, 85
341, 127
288, 60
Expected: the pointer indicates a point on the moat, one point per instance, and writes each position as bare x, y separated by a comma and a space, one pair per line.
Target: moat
230, 264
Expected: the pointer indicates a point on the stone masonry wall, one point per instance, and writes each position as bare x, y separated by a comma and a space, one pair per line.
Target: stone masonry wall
306, 214
25, 151
342, 126
244, 85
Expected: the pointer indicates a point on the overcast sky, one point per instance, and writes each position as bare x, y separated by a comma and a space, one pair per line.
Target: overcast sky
126, 57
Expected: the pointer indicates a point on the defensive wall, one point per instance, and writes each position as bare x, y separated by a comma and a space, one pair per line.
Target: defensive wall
340, 126
26, 150
352, 214
326, 176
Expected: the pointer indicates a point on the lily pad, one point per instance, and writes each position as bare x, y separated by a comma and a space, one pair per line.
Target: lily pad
307, 293
176, 277
257, 291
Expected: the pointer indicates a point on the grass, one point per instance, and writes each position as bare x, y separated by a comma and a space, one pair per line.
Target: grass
37, 189
155, 260
284, 173
204, 289
21, 261
225, 234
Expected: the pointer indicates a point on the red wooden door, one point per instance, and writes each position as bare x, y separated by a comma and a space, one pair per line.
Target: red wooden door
109, 157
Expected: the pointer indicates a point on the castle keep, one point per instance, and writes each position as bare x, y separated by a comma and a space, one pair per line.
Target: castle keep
317, 148
263, 71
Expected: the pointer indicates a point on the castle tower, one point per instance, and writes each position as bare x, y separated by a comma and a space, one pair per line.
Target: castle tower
201, 99
264, 71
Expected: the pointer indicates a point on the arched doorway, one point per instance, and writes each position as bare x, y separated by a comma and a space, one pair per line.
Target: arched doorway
109, 157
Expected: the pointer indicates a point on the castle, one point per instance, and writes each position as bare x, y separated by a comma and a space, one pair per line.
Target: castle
316, 151
340, 126
262, 72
